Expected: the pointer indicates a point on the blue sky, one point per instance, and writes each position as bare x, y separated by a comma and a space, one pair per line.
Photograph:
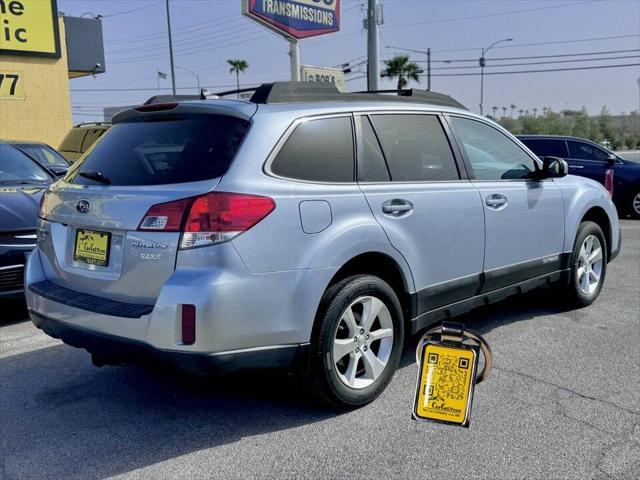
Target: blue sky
208, 32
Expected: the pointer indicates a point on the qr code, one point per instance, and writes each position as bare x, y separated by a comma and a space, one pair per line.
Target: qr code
449, 377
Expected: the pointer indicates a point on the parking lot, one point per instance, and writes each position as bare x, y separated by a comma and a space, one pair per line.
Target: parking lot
562, 401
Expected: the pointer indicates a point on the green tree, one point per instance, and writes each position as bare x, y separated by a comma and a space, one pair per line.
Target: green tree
238, 67
581, 124
605, 125
400, 66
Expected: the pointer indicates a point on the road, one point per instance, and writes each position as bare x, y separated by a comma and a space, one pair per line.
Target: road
630, 155
562, 401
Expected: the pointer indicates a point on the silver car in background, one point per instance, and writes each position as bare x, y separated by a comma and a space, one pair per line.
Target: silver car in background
304, 229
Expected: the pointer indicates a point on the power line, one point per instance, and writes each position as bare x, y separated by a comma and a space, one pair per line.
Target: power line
535, 71
125, 12
487, 15
541, 63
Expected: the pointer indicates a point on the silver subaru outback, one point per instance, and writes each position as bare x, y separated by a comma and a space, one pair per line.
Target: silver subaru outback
304, 229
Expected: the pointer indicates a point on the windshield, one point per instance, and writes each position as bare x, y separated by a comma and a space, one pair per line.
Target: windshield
46, 155
17, 167
163, 150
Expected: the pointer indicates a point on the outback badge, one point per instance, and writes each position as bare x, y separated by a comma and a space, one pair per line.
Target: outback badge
447, 373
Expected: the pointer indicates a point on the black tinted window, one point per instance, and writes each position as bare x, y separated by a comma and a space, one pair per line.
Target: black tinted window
547, 147
492, 154
416, 148
371, 164
91, 137
585, 151
156, 151
73, 140
318, 150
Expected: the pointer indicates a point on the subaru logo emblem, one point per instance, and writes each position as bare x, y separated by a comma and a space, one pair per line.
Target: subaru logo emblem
83, 206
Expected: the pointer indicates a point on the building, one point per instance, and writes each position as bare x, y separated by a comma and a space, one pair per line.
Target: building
40, 51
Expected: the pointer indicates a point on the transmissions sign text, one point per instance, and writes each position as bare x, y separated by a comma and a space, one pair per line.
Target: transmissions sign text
296, 18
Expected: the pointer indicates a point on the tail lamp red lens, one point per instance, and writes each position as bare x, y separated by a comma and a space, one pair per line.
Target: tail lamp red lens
210, 218
608, 181
188, 324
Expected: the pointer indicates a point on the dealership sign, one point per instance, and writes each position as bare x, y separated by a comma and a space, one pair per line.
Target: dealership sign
295, 19
334, 76
29, 27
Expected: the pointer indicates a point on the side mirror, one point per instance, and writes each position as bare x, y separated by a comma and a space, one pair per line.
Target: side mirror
554, 167
612, 158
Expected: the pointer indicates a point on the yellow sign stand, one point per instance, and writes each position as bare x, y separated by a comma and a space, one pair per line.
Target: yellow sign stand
447, 373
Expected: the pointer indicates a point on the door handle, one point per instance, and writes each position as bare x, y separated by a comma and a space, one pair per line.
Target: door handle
496, 201
397, 207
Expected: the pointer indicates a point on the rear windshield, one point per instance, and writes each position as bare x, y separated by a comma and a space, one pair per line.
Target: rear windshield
163, 150
73, 141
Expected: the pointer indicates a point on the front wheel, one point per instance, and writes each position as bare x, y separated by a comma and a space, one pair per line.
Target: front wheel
357, 342
589, 264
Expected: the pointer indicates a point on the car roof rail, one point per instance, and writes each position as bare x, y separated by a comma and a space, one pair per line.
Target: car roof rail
86, 124
302, 92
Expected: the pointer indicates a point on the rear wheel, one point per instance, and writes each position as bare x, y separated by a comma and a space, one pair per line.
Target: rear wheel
589, 264
357, 342
634, 205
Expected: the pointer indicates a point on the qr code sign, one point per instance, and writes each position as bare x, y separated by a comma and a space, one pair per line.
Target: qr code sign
445, 383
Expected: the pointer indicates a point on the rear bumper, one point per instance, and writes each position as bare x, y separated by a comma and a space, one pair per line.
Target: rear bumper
114, 349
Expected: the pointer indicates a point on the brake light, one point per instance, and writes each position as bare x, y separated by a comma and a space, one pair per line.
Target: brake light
608, 181
208, 219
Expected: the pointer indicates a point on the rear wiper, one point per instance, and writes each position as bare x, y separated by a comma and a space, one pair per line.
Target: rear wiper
96, 177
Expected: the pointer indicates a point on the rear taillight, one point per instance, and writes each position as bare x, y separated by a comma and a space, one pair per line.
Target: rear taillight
207, 219
608, 181
42, 211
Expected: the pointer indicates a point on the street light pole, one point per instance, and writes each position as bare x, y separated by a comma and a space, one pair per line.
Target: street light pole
483, 61
195, 75
173, 71
373, 71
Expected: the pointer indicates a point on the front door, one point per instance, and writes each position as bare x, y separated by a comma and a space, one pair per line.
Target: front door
587, 160
431, 215
524, 217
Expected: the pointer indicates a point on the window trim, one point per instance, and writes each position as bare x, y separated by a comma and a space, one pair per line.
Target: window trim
463, 175
467, 162
266, 167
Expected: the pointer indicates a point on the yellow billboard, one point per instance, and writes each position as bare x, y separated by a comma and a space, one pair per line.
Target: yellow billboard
29, 27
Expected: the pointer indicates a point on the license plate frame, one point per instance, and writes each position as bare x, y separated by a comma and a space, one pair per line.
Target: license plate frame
92, 258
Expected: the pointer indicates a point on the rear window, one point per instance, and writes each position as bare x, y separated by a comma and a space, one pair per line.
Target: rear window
546, 147
318, 151
164, 150
73, 141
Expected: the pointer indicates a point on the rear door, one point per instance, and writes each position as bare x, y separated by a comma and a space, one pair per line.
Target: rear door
587, 160
429, 210
524, 217
92, 241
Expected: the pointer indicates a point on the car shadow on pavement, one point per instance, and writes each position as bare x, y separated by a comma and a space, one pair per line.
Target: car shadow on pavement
12, 310
60, 417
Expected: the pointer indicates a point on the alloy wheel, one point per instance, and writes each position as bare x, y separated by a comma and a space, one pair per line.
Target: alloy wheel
590, 263
636, 203
363, 342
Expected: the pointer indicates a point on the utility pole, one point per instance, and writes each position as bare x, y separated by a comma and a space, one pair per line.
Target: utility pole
483, 61
428, 69
173, 71
373, 77
294, 54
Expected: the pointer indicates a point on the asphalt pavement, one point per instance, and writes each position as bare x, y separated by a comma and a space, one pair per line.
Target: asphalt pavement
562, 401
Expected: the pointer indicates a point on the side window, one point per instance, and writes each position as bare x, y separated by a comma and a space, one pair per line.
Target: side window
416, 148
73, 141
584, 151
547, 147
493, 155
90, 138
318, 150
371, 164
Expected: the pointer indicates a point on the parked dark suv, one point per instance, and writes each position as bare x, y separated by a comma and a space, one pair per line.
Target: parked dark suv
588, 159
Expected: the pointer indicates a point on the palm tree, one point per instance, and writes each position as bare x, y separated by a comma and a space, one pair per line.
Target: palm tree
521, 111
494, 109
512, 107
504, 112
535, 110
237, 67
400, 66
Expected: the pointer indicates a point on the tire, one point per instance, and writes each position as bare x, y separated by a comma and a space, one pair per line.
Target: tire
634, 205
583, 289
343, 372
